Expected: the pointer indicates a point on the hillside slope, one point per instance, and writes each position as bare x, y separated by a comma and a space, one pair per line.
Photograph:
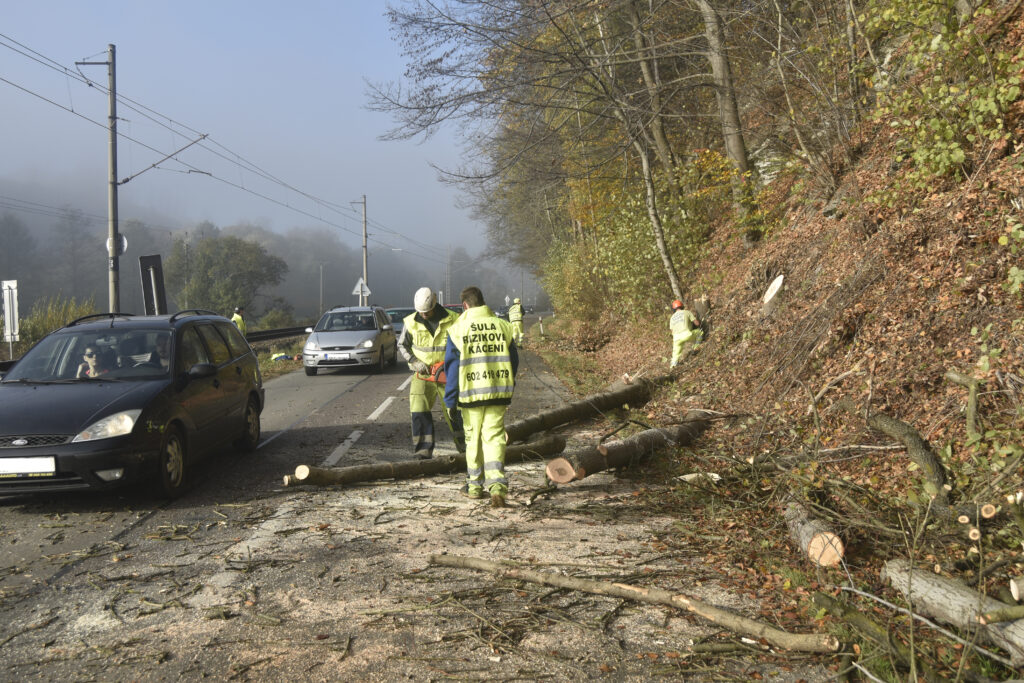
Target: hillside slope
879, 304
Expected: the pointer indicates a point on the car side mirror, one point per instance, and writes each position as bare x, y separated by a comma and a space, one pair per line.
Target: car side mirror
388, 327
201, 370
309, 330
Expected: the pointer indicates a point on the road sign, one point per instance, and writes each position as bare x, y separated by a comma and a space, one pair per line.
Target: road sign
361, 289
10, 294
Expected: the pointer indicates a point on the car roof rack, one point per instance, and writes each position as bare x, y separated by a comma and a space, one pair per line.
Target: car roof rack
93, 316
192, 311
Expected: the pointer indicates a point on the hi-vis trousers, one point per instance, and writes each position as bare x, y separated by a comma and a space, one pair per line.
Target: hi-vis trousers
485, 449
422, 395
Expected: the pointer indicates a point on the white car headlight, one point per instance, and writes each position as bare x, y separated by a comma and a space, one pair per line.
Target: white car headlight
312, 346
368, 344
117, 424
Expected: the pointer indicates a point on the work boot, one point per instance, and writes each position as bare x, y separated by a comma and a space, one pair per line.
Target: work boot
476, 494
497, 500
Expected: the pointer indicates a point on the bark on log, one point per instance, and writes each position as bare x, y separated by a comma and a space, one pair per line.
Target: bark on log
636, 448
618, 394
954, 603
408, 469
814, 538
869, 628
810, 642
918, 450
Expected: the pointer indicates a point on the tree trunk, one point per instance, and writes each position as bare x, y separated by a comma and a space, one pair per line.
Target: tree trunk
409, 469
818, 542
811, 642
618, 394
952, 602
918, 450
728, 108
623, 453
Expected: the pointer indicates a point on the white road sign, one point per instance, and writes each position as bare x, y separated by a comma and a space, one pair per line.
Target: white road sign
361, 289
10, 295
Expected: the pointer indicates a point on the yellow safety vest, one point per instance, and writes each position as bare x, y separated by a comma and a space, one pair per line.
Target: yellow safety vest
485, 364
239, 322
428, 347
682, 323
515, 313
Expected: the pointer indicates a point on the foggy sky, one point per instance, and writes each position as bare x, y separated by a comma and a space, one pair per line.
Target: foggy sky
278, 87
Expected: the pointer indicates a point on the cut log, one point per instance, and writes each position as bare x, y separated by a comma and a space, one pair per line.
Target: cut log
1017, 588
772, 297
952, 602
408, 469
918, 450
814, 538
618, 394
635, 449
810, 642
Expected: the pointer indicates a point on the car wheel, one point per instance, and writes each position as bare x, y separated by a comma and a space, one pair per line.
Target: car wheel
173, 457
251, 429
394, 355
310, 372
379, 366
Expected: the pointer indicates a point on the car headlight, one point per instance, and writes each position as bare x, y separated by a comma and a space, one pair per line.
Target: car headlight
312, 346
368, 344
117, 424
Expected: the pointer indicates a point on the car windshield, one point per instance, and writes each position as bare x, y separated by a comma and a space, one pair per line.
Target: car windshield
348, 321
397, 315
110, 354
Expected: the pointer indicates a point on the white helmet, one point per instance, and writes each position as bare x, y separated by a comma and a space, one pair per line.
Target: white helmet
516, 300
424, 300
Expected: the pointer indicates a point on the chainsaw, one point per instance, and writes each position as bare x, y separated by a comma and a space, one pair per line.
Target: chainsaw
436, 373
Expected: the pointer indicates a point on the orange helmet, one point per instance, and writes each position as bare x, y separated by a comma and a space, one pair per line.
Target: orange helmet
676, 305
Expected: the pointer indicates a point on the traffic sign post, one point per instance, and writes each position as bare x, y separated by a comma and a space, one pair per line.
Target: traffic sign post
11, 326
361, 290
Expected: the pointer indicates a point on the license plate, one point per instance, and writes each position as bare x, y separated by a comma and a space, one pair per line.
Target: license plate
336, 356
27, 467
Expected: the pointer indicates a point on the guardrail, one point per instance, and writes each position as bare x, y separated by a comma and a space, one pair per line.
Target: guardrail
270, 335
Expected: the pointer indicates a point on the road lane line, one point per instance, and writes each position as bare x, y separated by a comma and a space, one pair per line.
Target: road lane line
407, 382
335, 455
312, 412
380, 409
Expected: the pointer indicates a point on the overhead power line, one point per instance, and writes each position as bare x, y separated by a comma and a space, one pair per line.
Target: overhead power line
226, 155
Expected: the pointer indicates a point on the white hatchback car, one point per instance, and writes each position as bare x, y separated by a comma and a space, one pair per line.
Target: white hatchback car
351, 336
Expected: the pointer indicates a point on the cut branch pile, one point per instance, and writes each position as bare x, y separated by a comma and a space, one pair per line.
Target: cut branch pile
811, 642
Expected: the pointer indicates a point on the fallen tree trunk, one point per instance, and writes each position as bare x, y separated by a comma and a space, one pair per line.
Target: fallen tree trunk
618, 394
952, 602
918, 450
817, 541
408, 469
636, 448
811, 642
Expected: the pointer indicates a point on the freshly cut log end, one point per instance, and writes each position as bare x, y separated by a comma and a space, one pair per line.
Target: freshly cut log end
1017, 588
302, 473
988, 510
826, 549
561, 471
290, 480
819, 543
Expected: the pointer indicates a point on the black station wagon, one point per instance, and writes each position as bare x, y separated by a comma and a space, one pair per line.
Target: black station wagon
114, 398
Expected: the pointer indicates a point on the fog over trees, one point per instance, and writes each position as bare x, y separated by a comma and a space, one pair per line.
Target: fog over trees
61, 252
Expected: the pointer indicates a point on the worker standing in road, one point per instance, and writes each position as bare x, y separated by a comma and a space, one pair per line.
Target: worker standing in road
239, 319
422, 345
480, 363
515, 316
685, 329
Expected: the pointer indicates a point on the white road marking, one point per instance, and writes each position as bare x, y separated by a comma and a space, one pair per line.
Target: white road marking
380, 409
335, 455
407, 382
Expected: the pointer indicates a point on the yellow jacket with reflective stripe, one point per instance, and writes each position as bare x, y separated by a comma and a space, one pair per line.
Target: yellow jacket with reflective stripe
683, 324
483, 342
427, 347
515, 313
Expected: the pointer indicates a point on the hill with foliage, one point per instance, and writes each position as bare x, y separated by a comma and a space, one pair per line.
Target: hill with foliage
870, 153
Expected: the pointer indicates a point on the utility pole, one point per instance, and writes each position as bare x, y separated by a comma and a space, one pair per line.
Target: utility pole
113, 239
366, 282
321, 289
448, 275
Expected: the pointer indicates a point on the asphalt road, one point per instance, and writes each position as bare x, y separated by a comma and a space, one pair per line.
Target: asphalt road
312, 420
